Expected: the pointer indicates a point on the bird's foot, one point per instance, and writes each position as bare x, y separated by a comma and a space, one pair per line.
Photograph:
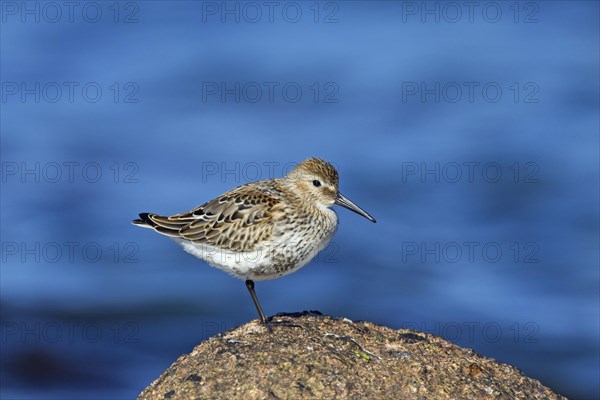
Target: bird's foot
271, 322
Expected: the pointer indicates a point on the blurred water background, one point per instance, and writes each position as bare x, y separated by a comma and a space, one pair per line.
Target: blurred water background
469, 131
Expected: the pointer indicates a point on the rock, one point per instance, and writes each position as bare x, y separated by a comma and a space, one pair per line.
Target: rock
310, 356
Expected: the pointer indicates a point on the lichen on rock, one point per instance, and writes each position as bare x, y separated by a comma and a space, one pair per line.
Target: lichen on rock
311, 356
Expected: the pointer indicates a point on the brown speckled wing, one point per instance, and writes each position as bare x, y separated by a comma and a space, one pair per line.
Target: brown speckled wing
237, 220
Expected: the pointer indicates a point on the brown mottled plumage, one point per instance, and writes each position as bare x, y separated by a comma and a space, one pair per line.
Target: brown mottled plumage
237, 220
265, 229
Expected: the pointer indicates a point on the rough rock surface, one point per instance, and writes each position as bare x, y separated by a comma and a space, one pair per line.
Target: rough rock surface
310, 356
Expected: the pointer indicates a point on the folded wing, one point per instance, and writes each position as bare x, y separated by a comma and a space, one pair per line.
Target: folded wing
237, 220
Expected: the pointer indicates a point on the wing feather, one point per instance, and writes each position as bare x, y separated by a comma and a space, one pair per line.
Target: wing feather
237, 220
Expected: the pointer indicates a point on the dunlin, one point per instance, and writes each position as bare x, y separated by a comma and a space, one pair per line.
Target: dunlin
264, 229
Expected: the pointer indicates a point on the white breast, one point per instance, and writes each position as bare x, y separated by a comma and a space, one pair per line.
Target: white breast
287, 253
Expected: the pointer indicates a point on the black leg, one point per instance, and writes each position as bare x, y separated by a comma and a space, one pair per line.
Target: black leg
261, 315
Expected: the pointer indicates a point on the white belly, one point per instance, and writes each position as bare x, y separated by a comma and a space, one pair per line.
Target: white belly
288, 253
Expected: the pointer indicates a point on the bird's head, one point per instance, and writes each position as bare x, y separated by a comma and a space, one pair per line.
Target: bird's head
317, 181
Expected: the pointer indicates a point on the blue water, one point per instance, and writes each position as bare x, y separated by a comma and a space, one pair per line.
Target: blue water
471, 137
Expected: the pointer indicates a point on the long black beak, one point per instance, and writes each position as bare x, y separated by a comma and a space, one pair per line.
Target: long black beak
341, 200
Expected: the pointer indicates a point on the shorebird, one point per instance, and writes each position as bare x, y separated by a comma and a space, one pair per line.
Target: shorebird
262, 230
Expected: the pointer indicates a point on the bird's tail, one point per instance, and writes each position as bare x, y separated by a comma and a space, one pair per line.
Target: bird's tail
144, 221
160, 224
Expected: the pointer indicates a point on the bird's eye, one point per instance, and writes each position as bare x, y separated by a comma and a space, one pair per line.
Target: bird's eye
317, 183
